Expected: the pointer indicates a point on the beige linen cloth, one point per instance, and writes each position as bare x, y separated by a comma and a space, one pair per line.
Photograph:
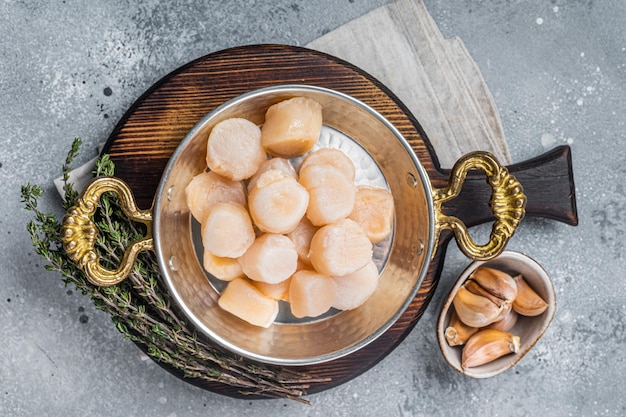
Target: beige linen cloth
436, 78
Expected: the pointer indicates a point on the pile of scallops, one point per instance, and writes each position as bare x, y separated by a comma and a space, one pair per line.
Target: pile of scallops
275, 233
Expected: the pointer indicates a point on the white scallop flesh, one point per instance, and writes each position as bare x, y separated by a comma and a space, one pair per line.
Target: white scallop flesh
245, 301
356, 288
280, 164
225, 269
373, 210
340, 248
278, 202
209, 188
311, 294
292, 127
331, 156
331, 194
301, 237
227, 231
272, 258
234, 149
279, 291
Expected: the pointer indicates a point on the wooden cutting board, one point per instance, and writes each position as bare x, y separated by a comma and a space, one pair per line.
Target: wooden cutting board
143, 141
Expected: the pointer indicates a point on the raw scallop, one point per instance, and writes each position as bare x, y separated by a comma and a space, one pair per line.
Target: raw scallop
291, 127
226, 269
279, 291
280, 164
331, 156
340, 248
227, 230
331, 193
271, 258
234, 149
245, 301
277, 202
208, 188
301, 237
373, 211
311, 293
355, 288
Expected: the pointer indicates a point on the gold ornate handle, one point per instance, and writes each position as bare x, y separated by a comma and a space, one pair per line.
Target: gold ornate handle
507, 203
79, 232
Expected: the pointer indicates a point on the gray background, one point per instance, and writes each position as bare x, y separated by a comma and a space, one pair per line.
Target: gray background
557, 73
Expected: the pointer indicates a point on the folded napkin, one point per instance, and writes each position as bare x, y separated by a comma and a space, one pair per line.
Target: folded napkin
436, 78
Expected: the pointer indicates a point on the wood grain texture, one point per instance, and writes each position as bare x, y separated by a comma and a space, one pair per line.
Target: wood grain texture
143, 141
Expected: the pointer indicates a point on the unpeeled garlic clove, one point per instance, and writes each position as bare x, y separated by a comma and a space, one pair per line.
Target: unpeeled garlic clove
475, 288
495, 282
506, 323
488, 345
475, 310
458, 332
527, 302
506, 309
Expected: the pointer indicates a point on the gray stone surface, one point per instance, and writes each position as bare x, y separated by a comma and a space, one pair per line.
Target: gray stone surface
557, 71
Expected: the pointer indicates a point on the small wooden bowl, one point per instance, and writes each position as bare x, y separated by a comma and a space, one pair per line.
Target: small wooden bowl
529, 329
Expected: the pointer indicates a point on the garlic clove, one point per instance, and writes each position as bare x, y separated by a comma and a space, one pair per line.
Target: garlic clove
527, 302
498, 283
475, 288
488, 345
475, 310
506, 309
457, 332
506, 323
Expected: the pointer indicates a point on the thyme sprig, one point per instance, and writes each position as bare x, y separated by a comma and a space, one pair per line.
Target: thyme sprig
139, 306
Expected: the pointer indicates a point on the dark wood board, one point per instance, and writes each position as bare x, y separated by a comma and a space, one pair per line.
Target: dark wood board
144, 139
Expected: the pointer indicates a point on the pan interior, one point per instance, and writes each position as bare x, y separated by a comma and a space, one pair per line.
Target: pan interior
382, 157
